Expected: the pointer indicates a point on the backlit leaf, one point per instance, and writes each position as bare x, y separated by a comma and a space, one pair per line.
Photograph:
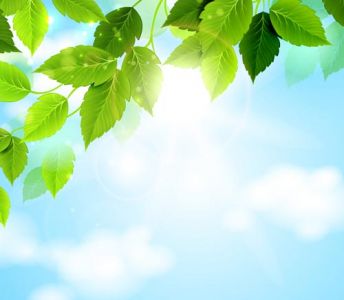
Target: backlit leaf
5, 206
14, 85
332, 57
103, 107
141, 66
10, 7
225, 21
297, 23
31, 24
57, 168
45, 117
14, 159
34, 185
80, 10
219, 66
80, 66
5, 139
188, 54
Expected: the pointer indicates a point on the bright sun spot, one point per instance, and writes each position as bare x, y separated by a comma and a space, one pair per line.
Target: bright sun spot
184, 99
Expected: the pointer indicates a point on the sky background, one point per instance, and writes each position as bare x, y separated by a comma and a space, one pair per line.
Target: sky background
241, 198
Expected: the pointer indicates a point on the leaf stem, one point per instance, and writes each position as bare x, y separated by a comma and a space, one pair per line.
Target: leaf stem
17, 129
71, 93
137, 3
46, 92
151, 36
74, 112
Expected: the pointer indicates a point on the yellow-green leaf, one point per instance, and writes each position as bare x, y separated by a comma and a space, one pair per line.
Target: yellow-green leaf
31, 24
5, 206
45, 117
57, 168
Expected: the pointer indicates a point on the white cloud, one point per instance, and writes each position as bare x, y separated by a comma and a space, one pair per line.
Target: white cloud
50, 292
310, 203
107, 263
104, 263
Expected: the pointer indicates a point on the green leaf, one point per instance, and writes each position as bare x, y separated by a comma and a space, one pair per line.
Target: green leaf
103, 107
300, 63
141, 66
31, 24
6, 37
318, 6
14, 159
34, 185
219, 66
10, 7
185, 14
14, 85
80, 10
80, 66
188, 54
336, 9
118, 33
5, 139
297, 23
260, 45
5, 206
332, 57
225, 21
57, 168
45, 117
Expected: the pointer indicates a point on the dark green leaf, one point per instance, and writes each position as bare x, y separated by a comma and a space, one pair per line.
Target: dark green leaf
185, 14
6, 37
260, 45
118, 34
335, 8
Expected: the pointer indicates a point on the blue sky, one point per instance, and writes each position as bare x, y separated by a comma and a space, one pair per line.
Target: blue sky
241, 198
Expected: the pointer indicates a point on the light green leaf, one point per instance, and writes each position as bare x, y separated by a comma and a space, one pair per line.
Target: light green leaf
318, 6
219, 66
297, 23
103, 106
80, 66
14, 159
300, 63
336, 9
6, 37
185, 14
34, 185
5, 206
332, 57
45, 117
10, 7
225, 21
80, 10
5, 139
57, 168
260, 45
188, 54
118, 33
141, 66
31, 24
14, 85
